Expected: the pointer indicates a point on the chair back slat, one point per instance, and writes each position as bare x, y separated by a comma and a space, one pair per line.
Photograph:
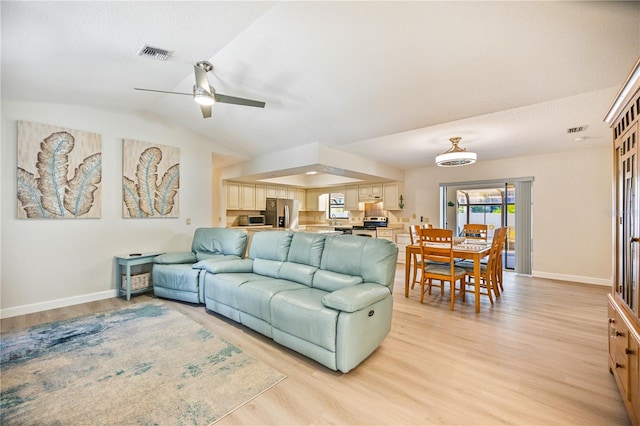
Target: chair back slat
436, 244
475, 231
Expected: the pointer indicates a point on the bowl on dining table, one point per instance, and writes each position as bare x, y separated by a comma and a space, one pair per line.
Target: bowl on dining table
458, 240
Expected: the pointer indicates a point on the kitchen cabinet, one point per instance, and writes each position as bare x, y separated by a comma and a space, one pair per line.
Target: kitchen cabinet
386, 234
277, 192
299, 195
402, 241
624, 299
351, 194
312, 200
261, 197
233, 196
391, 196
247, 197
272, 192
368, 192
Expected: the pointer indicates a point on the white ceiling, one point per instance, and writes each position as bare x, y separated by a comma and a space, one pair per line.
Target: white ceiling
387, 81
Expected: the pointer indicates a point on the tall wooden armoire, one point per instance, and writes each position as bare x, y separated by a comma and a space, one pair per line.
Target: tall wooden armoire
624, 300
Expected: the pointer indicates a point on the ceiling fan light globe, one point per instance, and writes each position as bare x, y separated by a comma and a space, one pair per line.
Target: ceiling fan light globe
453, 159
456, 156
204, 99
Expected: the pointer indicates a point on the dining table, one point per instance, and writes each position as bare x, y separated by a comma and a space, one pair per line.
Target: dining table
475, 252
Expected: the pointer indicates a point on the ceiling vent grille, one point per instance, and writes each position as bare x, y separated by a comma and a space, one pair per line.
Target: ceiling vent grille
154, 52
576, 129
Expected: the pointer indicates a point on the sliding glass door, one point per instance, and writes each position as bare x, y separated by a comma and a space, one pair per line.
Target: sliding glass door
494, 207
504, 203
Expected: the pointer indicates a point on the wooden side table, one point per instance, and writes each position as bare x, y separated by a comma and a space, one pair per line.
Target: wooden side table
128, 260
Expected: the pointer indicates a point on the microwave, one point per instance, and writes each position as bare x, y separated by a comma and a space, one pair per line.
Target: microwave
251, 220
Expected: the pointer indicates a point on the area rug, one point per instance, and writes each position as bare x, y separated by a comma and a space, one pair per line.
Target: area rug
145, 364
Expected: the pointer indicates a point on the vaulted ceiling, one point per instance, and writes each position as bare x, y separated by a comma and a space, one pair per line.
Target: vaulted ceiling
389, 82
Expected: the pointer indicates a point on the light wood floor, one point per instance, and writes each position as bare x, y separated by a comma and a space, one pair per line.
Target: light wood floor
537, 357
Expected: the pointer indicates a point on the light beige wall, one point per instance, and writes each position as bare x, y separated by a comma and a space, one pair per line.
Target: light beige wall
51, 263
572, 218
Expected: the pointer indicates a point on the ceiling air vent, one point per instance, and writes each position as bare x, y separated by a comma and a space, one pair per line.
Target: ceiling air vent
576, 129
154, 52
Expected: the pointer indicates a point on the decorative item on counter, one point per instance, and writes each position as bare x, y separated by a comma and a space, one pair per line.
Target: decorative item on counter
401, 203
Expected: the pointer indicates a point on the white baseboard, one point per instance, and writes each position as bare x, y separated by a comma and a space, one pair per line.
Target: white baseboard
573, 278
58, 303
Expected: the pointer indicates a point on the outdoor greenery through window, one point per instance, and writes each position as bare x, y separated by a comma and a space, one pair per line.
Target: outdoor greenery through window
336, 206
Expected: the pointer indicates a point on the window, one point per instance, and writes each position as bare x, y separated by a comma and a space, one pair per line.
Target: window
336, 206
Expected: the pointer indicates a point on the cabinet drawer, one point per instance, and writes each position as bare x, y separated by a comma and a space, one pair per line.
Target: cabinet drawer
618, 348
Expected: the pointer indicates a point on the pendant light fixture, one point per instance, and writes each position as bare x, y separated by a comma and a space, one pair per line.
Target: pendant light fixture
456, 156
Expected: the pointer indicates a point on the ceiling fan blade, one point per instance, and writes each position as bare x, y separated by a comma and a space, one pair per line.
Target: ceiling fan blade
238, 101
206, 111
163, 91
201, 79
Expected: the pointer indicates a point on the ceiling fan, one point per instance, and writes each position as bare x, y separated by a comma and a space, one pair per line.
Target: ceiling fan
205, 95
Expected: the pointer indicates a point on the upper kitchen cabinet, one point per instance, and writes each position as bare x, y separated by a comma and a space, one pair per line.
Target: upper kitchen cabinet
247, 197
261, 197
351, 196
300, 195
391, 196
368, 192
277, 192
233, 196
241, 196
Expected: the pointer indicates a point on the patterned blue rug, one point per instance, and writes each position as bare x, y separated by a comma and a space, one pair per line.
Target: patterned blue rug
145, 364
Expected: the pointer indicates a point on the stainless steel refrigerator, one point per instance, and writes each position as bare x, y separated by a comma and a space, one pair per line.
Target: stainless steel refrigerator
281, 213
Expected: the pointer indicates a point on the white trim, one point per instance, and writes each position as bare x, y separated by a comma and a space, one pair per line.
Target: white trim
573, 278
630, 86
57, 303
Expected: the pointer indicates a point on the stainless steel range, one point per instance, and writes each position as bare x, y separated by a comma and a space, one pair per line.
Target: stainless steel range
369, 226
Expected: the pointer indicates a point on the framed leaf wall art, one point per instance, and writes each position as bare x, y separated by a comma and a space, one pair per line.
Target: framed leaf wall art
150, 180
59, 172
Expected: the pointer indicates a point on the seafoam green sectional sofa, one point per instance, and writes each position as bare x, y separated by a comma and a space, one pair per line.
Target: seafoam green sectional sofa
328, 297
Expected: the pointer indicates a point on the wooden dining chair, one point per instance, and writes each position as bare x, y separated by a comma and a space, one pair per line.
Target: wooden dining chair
414, 234
475, 231
436, 247
501, 234
488, 272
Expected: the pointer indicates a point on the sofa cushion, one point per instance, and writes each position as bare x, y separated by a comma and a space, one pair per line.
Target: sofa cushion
206, 246
178, 277
223, 288
306, 248
217, 241
301, 313
373, 259
254, 297
169, 258
270, 245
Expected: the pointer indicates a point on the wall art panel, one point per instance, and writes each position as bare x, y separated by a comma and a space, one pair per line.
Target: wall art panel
150, 180
58, 172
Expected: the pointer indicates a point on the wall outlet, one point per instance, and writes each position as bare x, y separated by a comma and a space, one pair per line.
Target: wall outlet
188, 221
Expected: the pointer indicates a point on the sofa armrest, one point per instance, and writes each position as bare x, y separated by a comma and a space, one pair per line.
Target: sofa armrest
219, 266
355, 298
175, 258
